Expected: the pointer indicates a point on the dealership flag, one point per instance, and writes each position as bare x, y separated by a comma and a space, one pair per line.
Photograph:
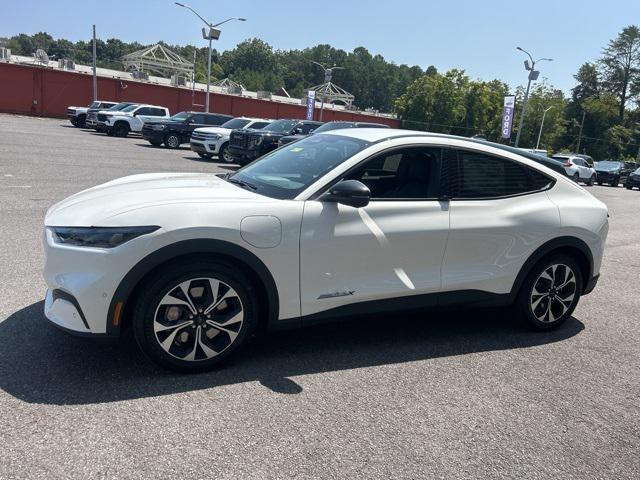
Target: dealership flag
311, 104
507, 115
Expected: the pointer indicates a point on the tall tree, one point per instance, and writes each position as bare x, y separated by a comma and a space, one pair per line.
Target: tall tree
620, 65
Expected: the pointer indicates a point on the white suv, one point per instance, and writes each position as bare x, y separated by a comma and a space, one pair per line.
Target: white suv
130, 119
343, 223
209, 141
578, 167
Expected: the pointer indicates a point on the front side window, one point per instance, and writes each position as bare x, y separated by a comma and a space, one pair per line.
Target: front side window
286, 172
179, 117
197, 119
475, 175
404, 174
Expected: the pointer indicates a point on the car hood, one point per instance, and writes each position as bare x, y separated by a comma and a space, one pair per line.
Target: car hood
100, 205
218, 130
607, 168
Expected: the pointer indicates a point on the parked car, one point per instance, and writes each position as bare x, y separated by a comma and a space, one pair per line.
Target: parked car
358, 221
633, 180
92, 113
78, 115
130, 119
331, 126
210, 141
612, 172
177, 130
248, 144
578, 167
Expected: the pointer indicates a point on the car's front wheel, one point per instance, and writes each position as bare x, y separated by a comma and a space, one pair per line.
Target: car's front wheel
224, 154
550, 292
120, 129
193, 315
172, 140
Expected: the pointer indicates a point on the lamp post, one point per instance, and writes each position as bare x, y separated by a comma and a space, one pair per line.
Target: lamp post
542, 125
533, 76
212, 34
328, 75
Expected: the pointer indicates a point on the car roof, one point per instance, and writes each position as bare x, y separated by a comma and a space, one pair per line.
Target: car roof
374, 135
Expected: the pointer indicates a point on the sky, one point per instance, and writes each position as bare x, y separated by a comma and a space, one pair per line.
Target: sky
478, 36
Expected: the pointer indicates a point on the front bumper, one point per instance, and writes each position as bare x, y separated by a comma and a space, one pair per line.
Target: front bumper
153, 135
204, 146
606, 177
632, 181
244, 156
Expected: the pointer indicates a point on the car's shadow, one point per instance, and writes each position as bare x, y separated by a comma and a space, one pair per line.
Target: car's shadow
40, 364
161, 147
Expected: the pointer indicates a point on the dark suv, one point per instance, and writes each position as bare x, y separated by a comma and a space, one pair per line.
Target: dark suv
247, 145
612, 172
331, 126
177, 130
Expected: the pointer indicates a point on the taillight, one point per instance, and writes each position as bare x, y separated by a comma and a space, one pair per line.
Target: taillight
567, 164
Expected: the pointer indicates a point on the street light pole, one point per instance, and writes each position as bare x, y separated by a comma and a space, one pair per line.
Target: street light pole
212, 34
542, 125
533, 75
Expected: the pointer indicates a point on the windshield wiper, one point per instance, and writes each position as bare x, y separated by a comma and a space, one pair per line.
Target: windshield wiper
242, 183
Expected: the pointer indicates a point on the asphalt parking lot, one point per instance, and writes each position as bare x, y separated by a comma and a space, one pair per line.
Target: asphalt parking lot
463, 394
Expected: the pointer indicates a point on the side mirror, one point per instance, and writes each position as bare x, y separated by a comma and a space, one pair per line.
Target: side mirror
349, 192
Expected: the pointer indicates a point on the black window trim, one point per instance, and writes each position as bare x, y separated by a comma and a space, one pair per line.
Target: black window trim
441, 197
527, 168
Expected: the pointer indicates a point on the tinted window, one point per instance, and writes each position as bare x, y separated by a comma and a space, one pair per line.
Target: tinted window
408, 173
199, 119
156, 112
259, 125
307, 128
477, 175
143, 111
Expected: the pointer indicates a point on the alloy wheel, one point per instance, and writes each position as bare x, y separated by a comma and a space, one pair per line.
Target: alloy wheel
198, 319
226, 156
553, 293
173, 141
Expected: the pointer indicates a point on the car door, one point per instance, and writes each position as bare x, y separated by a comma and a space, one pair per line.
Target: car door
196, 121
392, 248
500, 214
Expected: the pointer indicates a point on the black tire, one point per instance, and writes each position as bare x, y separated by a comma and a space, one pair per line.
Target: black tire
172, 140
592, 180
81, 122
206, 156
74, 122
109, 132
576, 177
120, 129
167, 280
224, 156
599, 183
155, 143
628, 187
530, 306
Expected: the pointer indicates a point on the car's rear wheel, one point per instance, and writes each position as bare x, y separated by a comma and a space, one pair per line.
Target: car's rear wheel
121, 129
592, 180
194, 315
172, 140
576, 177
550, 293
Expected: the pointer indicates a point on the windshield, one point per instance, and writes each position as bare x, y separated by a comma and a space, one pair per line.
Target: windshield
608, 164
130, 108
179, 117
235, 123
281, 126
286, 172
333, 126
118, 107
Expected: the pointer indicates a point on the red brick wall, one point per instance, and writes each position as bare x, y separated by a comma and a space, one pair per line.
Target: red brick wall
32, 90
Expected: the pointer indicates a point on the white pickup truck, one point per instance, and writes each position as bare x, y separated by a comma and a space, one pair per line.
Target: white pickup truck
78, 115
130, 119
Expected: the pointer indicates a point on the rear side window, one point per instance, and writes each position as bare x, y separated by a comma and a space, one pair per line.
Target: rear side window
156, 112
475, 175
259, 125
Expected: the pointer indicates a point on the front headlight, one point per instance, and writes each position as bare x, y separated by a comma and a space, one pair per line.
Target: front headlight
98, 237
158, 127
